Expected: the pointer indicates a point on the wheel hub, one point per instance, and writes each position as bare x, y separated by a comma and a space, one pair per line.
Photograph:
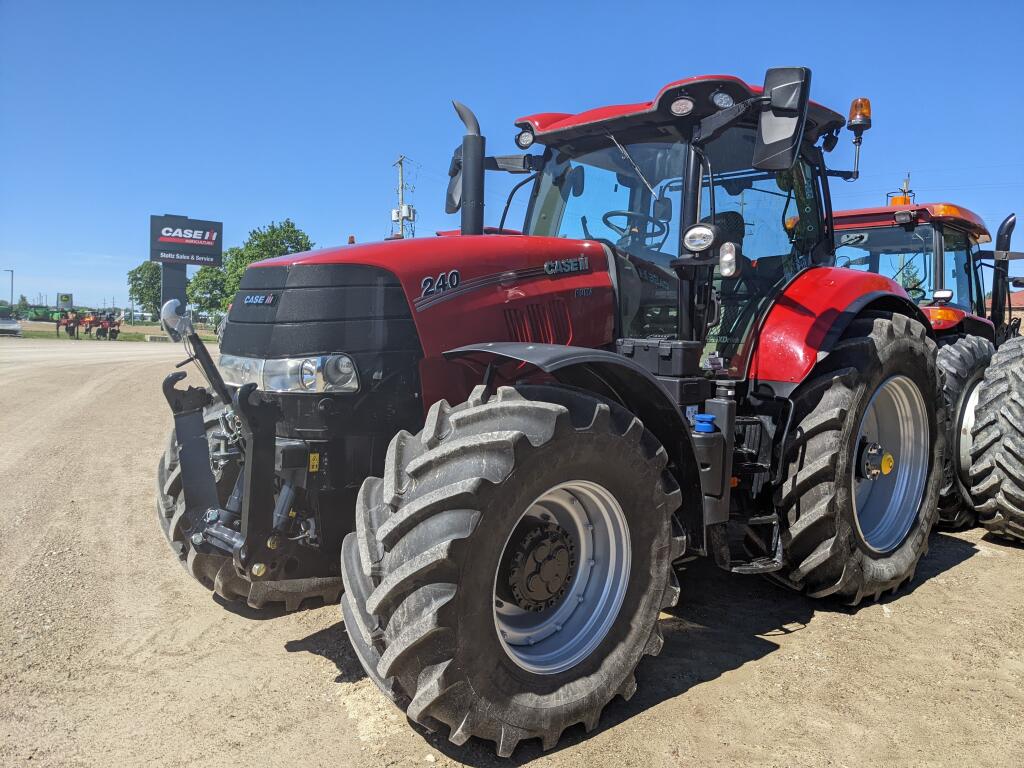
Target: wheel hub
887, 494
561, 577
541, 567
875, 461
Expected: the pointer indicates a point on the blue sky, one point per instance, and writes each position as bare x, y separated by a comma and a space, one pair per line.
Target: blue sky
247, 112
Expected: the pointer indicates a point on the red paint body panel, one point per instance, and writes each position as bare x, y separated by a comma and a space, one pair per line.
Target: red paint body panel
882, 216
536, 307
802, 316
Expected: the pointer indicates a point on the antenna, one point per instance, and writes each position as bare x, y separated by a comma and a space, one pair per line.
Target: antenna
902, 196
405, 214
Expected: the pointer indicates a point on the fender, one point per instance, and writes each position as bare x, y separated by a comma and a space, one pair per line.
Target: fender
617, 378
810, 315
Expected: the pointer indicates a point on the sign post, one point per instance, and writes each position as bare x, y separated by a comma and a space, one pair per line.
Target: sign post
176, 242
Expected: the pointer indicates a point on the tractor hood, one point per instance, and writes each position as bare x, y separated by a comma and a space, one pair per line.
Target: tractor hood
393, 295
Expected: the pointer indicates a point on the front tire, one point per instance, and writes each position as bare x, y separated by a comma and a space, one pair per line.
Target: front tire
963, 361
997, 453
865, 462
458, 544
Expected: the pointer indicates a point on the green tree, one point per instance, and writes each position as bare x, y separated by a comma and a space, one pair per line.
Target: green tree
263, 243
144, 286
206, 291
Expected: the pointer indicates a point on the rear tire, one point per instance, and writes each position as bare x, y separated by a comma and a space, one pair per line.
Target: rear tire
832, 546
424, 591
963, 361
997, 453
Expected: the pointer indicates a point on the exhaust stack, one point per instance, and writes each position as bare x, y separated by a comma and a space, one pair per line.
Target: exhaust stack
473, 145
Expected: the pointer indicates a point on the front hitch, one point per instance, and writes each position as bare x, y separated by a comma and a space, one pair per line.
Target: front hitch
258, 417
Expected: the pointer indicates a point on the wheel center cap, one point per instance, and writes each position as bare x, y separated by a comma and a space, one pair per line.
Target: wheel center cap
874, 461
541, 567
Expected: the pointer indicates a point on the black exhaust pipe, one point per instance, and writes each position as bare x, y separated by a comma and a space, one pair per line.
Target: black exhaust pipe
473, 145
1001, 272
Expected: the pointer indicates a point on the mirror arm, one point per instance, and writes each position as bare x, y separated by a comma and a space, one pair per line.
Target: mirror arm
514, 163
712, 126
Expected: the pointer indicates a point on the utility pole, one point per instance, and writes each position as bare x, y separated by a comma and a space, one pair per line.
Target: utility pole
403, 213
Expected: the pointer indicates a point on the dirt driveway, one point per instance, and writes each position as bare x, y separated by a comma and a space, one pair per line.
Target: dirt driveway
110, 655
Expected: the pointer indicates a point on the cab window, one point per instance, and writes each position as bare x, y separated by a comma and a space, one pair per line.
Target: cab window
956, 266
905, 255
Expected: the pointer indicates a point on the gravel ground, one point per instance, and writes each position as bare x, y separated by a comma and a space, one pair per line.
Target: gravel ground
111, 655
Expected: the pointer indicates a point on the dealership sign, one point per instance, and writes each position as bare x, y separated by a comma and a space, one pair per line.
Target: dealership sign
181, 240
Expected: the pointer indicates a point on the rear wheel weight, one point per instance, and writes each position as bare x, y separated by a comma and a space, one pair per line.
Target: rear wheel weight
963, 360
480, 526
997, 450
864, 462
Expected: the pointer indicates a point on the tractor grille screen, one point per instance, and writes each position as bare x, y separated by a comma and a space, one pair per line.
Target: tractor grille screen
319, 309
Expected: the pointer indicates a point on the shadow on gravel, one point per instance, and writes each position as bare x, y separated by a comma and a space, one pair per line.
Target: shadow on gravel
722, 622
331, 643
1003, 541
271, 611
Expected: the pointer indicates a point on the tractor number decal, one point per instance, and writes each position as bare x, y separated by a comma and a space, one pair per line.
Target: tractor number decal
445, 281
448, 285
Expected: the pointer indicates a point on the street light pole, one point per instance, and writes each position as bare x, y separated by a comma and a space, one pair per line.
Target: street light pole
12, 286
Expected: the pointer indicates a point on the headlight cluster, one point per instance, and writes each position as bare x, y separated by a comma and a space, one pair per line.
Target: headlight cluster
324, 373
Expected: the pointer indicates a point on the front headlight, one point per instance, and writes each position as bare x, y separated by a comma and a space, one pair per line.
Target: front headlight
322, 373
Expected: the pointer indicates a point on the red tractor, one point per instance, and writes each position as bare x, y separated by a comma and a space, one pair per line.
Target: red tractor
499, 443
933, 251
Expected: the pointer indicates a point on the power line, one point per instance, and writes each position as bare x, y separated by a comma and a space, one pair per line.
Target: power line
405, 214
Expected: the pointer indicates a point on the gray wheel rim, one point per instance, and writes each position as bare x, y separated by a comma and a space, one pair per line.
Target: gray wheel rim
966, 441
886, 506
564, 634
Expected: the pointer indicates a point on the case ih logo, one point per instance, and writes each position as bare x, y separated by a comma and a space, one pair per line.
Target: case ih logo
567, 266
206, 237
263, 299
181, 240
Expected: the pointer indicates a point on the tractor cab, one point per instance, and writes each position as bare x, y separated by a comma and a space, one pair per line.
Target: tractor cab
708, 199
932, 250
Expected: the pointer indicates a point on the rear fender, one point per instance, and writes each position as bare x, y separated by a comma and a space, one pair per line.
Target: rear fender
809, 317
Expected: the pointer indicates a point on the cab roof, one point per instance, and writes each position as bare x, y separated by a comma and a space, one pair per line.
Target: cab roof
884, 216
563, 126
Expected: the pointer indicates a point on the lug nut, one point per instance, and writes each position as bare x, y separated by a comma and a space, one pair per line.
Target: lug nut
258, 569
197, 539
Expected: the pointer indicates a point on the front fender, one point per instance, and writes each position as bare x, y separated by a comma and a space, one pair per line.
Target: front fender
810, 315
607, 374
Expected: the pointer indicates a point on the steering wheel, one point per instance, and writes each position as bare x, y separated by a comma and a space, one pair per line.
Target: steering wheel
660, 227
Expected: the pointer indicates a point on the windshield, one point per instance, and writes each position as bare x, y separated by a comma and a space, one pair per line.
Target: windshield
905, 255
630, 197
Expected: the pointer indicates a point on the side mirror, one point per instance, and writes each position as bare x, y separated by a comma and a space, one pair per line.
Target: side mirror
780, 126
453, 198
576, 181
663, 208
